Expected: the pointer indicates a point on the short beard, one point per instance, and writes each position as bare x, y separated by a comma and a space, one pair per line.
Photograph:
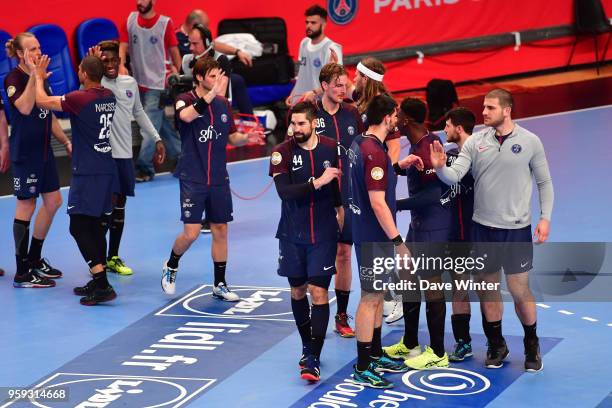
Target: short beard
302, 138
314, 34
146, 9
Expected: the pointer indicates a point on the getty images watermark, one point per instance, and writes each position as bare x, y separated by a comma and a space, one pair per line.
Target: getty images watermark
558, 271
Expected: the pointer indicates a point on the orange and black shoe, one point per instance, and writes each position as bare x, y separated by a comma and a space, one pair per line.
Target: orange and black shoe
311, 371
98, 295
342, 326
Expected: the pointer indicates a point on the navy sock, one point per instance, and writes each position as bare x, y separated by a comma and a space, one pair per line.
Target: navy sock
319, 320
301, 314
220, 272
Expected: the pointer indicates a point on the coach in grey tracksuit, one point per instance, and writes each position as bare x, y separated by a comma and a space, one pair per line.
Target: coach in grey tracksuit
502, 159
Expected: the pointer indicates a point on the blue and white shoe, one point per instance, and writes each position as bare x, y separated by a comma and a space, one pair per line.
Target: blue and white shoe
168, 279
370, 378
222, 292
462, 351
386, 364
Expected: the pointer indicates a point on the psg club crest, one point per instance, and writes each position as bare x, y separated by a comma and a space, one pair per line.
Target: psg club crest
516, 149
129, 93
342, 11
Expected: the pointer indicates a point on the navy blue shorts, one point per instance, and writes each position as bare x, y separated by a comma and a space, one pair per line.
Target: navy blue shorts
306, 261
30, 181
507, 249
126, 177
92, 194
346, 235
431, 244
198, 198
366, 253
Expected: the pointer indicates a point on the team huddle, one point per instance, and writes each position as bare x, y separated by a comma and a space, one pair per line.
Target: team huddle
336, 176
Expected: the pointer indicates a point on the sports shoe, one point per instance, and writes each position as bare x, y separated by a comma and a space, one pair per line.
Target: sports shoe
85, 290
311, 371
305, 354
386, 364
99, 295
222, 292
388, 307
32, 280
396, 313
342, 326
533, 358
1, 272
116, 265
427, 359
43, 269
462, 351
205, 228
168, 279
400, 351
370, 378
496, 354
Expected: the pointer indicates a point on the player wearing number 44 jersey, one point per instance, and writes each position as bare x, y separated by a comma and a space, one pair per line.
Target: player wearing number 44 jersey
206, 126
305, 171
94, 173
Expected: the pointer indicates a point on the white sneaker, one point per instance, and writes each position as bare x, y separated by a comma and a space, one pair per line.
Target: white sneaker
388, 307
222, 292
168, 279
398, 311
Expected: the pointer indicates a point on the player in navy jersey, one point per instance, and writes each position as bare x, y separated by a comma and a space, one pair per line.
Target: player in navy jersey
305, 171
459, 126
206, 126
372, 204
430, 223
340, 121
33, 164
4, 149
94, 173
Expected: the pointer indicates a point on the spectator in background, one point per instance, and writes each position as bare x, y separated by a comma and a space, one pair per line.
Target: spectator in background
149, 38
182, 34
316, 50
200, 42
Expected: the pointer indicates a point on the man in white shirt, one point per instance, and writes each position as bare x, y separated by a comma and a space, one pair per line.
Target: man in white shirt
316, 50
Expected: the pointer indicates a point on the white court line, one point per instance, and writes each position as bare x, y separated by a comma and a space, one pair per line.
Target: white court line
589, 319
542, 305
565, 312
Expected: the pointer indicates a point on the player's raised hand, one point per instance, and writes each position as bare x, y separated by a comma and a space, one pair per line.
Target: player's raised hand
41, 67
437, 155
29, 60
220, 84
95, 51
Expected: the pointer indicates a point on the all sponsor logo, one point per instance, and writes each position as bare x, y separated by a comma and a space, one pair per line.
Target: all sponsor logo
208, 134
276, 158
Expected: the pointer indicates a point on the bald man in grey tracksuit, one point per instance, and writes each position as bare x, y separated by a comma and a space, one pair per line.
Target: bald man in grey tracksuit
503, 158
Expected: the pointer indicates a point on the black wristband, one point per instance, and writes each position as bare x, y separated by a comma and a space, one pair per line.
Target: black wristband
200, 105
311, 183
397, 168
397, 241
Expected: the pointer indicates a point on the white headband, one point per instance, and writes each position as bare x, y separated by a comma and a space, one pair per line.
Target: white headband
369, 73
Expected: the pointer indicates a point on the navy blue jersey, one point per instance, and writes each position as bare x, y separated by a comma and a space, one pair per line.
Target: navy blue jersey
311, 219
435, 214
30, 139
91, 115
342, 126
462, 200
370, 170
204, 140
